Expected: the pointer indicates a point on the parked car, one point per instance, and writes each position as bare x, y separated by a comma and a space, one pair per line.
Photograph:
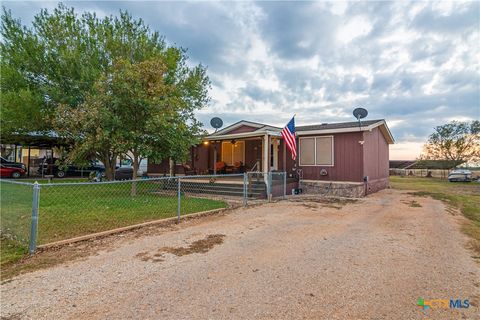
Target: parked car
126, 173
11, 164
11, 172
460, 176
50, 166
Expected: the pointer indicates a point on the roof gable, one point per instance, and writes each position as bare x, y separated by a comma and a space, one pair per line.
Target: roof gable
244, 126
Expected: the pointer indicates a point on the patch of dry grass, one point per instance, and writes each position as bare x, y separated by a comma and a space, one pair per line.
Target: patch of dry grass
462, 196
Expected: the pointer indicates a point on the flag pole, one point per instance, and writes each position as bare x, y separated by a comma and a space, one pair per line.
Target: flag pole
296, 146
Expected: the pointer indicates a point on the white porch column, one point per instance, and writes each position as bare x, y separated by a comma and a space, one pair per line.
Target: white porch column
266, 152
275, 153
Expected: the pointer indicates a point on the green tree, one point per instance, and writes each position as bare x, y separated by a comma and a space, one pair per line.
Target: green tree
140, 110
59, 58
455, 141
94, 81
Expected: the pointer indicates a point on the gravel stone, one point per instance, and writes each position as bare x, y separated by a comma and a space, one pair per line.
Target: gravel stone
371, 259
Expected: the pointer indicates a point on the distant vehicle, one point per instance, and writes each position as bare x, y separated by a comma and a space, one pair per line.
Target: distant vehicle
126, 173
10, 164
70, 170
11, 172
121, 173
142, 166
460, 176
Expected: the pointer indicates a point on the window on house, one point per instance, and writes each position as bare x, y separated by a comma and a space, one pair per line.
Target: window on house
324, 151
307, 151
316, 151
232, 153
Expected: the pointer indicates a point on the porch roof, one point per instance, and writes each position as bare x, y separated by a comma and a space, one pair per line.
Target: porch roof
257, 133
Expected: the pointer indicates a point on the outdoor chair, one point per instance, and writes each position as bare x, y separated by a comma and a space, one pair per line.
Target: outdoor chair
188, 170
221, 167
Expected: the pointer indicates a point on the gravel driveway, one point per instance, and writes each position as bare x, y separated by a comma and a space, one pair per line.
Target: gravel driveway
371, 259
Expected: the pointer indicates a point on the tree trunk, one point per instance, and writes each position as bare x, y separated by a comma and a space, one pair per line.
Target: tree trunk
109, 160
171, 164
109, 173
134, 174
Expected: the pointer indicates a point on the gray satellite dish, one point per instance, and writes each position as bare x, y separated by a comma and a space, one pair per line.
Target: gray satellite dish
216, 122
360, 113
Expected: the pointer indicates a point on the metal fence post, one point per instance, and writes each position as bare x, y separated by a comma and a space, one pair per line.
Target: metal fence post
34, 227
179, 199
284, 185
269, 179
245, 181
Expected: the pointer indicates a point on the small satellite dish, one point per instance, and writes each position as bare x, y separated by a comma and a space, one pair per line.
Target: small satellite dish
360, 113
216, 122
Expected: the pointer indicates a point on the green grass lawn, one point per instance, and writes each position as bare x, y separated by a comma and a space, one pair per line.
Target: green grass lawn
10, 251
68, 211
462, 195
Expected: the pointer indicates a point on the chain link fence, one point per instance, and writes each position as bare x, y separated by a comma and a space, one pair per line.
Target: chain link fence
43, 213
16, 210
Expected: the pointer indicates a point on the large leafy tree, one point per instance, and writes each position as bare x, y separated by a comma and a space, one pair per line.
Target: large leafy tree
107, 85
140, 110
455, 141
60, 57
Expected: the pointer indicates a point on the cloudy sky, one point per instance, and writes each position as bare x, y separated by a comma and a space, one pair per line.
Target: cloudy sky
416, 64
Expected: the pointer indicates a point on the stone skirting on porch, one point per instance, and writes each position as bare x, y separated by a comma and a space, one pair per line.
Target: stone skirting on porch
342, 188
377, 185
333, 188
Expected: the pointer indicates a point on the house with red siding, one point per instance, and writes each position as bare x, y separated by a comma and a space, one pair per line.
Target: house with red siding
348, 158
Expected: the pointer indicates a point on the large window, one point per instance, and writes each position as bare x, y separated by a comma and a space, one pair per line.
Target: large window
316, 151
233, 152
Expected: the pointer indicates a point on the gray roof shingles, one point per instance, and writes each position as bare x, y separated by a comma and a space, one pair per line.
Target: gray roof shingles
340, 125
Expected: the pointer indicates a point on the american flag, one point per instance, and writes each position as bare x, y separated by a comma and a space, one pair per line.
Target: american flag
288, 134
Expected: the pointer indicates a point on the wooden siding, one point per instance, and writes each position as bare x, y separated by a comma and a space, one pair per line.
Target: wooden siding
348, 160
163, 168
375, 155
285, 161
253, 152
201, 160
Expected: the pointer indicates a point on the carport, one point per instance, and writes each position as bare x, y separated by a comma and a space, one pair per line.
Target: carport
30, 149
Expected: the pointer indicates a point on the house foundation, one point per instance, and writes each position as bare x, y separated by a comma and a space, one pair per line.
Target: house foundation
343, 188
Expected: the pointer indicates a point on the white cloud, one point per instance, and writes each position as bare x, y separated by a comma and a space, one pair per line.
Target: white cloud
353, 28
406, 150
416, 64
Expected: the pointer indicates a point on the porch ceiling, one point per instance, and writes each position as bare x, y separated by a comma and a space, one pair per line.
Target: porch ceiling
243, 135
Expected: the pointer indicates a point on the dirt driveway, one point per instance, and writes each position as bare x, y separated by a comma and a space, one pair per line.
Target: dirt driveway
371, 259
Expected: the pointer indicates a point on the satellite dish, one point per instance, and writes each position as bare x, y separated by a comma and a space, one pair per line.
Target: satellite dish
216, 122
360, 113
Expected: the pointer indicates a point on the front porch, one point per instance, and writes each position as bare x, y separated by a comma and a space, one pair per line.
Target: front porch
241, 152
239, 148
